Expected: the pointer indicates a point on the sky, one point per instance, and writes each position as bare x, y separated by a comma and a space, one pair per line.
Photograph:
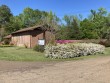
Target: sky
59, 7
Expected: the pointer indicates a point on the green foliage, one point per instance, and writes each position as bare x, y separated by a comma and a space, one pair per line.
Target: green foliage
96, 26
38, 48
7, 41
88, 30
30, 17
105, 43
50, 21
72, 28
14, 24
5, 15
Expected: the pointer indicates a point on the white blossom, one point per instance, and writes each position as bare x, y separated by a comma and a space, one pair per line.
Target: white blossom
73, 50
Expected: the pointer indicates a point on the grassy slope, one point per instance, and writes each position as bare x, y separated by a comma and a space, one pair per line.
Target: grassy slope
22, 54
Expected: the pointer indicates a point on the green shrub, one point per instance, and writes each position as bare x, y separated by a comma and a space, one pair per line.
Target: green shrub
105, 43
11, 43
6, 41
39, 48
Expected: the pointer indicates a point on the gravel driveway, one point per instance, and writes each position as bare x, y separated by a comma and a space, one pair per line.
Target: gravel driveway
82, 71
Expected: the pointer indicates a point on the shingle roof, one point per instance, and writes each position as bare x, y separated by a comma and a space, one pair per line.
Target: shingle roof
28, 29
8, 36
40, 27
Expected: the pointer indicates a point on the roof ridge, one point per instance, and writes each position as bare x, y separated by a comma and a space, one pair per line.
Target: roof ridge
28, 29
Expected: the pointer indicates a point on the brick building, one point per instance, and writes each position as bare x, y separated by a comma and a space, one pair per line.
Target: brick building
30, 36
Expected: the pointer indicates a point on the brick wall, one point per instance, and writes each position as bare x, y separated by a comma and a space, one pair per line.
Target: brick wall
30, 38
21, 39
35, 36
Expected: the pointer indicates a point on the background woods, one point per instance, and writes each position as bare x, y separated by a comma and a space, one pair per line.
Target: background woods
95, 26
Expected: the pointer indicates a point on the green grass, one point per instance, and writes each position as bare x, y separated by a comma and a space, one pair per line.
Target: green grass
23, 54
20, 54
6, 46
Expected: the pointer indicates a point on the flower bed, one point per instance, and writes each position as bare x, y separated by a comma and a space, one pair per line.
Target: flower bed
73, 50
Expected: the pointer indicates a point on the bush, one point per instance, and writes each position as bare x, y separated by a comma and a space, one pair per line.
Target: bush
73, 50
6, 41
96, 41
105, 43
39, 48
11, 43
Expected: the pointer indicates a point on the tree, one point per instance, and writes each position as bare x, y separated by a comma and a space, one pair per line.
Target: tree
5, 15
28, 18
106, 28
99, 19
14, 24
73, 27
31, 17
97, 25
50, 22
88, 30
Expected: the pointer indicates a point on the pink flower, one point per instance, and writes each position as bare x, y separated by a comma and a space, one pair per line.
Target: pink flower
66, 41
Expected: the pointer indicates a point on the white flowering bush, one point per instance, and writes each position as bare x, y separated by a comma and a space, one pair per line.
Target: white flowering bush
73, 50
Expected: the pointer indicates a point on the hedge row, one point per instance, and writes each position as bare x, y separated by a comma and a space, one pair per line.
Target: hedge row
73, 50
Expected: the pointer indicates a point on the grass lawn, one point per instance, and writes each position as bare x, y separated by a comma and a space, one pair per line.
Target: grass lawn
20, 54
23, 54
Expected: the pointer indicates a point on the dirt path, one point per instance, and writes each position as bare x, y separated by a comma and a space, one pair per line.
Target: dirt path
81, 71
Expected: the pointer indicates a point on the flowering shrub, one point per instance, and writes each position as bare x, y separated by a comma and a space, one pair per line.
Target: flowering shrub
73, 50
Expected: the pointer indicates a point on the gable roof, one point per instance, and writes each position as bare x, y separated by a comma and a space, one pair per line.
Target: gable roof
29, 29
40, 27
8, 36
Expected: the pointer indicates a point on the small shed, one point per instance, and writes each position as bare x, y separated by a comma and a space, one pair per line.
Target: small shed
31, 36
